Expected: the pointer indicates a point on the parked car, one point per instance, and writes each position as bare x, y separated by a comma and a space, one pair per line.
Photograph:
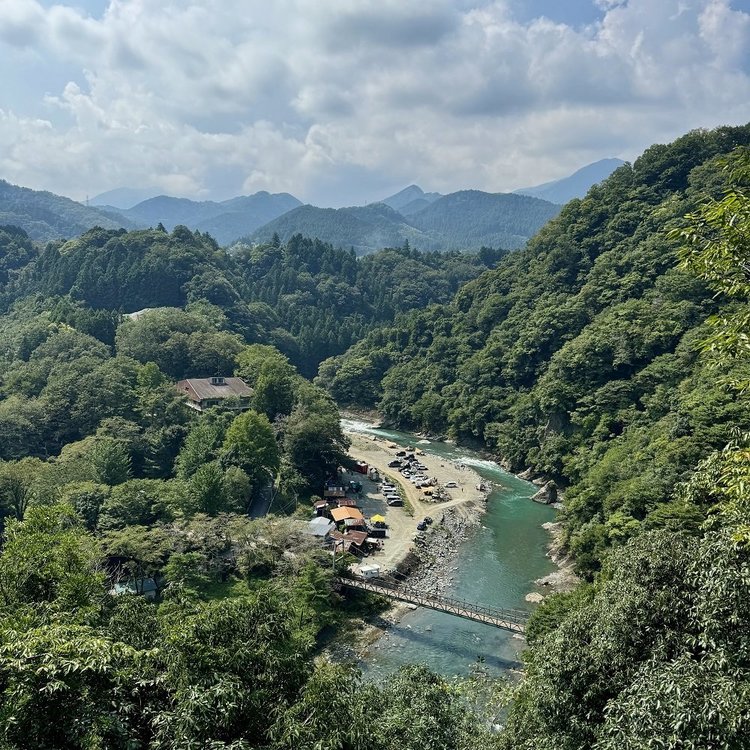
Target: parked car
428, 519
394, 464
451, 485
421, 526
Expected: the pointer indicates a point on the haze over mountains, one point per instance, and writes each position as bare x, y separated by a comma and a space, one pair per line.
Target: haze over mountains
224, 221
464, 220
574, 186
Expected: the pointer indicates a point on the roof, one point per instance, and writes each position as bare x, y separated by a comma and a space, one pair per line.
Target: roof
377, 518
319, 526
200, 389
357, 537
341, 514
346, 502
340, 541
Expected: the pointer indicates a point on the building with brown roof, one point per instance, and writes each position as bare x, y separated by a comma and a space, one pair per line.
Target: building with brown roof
341, 514
203, 393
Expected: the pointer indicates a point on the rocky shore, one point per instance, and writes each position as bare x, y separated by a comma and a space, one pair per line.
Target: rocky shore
432, 566
429, 563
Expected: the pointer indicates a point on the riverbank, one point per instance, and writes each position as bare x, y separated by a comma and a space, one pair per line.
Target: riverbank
564, 578
428, 559
430, 567
407, 552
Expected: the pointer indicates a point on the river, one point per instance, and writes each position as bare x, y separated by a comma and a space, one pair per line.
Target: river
497, 566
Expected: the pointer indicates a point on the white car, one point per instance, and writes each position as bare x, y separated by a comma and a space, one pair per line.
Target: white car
451, 485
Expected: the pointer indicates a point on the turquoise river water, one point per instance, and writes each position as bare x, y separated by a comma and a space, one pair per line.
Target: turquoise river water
497, 565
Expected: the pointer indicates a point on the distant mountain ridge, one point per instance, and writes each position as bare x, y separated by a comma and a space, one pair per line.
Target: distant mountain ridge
225, 220
575, 185
466, 220
123, 198
408, 197
45, 216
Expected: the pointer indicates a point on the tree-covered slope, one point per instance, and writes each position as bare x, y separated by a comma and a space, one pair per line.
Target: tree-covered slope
467, 220
305, 297
654, 653
471, 218
577, 356
46, 216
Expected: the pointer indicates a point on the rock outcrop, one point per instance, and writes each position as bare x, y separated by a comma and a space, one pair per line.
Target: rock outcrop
547, 494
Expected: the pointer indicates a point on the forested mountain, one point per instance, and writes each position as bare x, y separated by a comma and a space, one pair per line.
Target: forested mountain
471, 218
406, 200
225, 221
577, 356
111, 486
46, 216
594, 358
574, 186
467, 220
307, 298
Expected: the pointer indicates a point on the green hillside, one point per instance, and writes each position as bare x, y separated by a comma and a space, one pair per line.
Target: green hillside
578, 356
306, 297
594, 358
46, 216
467, 220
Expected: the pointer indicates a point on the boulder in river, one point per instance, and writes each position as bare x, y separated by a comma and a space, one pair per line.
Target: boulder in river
547, 494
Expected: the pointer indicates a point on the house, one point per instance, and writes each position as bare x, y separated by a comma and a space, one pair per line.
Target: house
342, 514
203, 393
334, 490
320, 527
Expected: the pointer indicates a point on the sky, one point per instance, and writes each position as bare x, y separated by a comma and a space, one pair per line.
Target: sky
341, 102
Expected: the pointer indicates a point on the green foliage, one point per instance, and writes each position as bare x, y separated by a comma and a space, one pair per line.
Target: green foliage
181, 344
186, 571
313, 441
250, 444
87, 498
68, 674
110, 462
16, 252
577, 357
655, 656
49, 561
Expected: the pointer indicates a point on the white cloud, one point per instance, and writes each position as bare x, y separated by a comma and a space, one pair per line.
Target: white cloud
337, 101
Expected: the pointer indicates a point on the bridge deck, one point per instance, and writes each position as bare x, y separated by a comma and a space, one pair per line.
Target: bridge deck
507, 619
